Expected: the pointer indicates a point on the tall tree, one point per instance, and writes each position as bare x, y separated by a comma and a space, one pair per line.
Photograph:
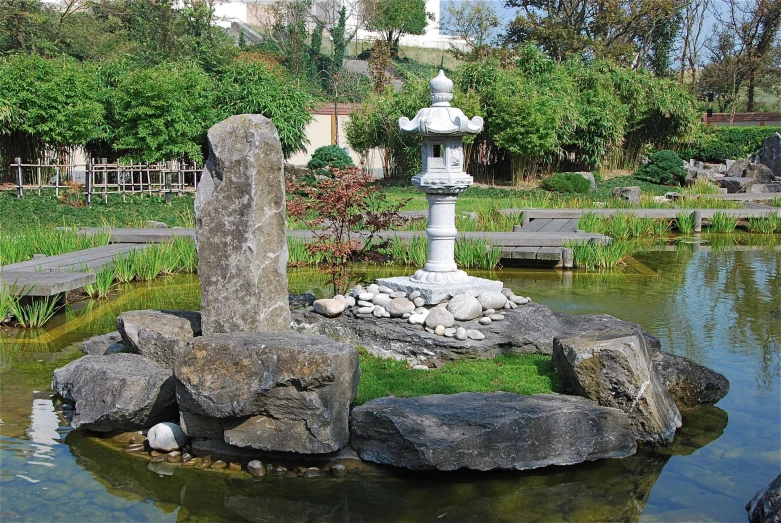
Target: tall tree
692, 38
394, 18
474, 22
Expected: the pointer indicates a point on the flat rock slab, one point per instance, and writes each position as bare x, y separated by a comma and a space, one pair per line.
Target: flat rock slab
488, 431
272, 391
527, 329
434, 293
117, 392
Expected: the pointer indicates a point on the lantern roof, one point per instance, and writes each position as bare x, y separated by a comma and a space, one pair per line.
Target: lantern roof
441, 118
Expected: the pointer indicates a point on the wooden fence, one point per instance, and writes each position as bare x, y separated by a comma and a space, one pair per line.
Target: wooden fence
99, 178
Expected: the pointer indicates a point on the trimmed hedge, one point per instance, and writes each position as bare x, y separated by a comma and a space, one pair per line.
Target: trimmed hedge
566, 183
717, 144
329, 156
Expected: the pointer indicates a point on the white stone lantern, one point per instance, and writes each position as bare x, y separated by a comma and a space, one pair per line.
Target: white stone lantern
442, 128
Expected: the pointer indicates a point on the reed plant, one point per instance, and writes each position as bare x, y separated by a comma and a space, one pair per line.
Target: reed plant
104, 283
723, 223
125, 267
699, 187
151, 261
6, 301
35, 313
21, 245
593, 255
624, 225
186, 218
185, 253
685, 222
776, 201
412, 253
299, 254
476, 253
768, 224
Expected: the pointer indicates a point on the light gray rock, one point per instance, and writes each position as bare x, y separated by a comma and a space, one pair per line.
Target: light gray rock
400, 306
368, 309
385, 290
519, 300
630, 194
378, 312
363, 303
419, 367
618, 373
99, 345
419, 302
287, 391
240, 229
124, 392
382, 300
488, 312
366, 296
153, 224
461, 334
474, 334
350, 301
760, 173
488, 431
464, 307
484, 321
166, 437
737, 168
736, 185
399, 294
413, 295
492, 300
450, 332
765, 506
373, 288
439, 316
330, 308
158, 334
496, 317
417, 319
439, 330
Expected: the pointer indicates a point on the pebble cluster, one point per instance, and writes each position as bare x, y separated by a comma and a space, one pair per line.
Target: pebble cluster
382, 302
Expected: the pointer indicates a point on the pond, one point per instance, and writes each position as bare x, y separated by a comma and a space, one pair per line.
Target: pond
720, 308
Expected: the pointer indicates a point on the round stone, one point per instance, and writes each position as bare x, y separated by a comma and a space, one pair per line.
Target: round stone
484, 321
256, 468
488, 312
512, 305
508, 292
461, 333
234, 466
339, 470
339, 297
439, 330
350, 301
413, 295
385, 290
383, 300
312, 472
439, 317
173, 457
475, 335
166, 436
365, 310
400, 306
373, 288
330, 308
219, 464
398, 294
419, 302
419, 367
417, 319
520, 300
378, 312
362, 303
496, 317
366, 296
406, 315
449, 333
492, 300
464, 307
421, 310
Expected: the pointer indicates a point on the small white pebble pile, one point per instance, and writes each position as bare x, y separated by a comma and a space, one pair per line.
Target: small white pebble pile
382, 302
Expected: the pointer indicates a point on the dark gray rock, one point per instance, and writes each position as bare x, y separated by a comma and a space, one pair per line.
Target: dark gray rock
289, 392
488, 431
617, 372
689, 383
240, 229
528, 329
158, 334
736, 185
765, 506
197, 426
765, 187
630, 194
770, 154
760, 173
103, 343
123, 392
737, 169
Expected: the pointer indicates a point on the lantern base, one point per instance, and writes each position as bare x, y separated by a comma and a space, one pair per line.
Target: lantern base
434, 293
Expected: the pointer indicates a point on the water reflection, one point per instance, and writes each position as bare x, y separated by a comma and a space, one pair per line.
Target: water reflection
609, 490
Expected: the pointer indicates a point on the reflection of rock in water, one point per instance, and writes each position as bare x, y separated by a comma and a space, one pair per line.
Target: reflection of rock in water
607, 490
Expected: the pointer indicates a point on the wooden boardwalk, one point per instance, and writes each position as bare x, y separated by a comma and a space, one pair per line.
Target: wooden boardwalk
51, 275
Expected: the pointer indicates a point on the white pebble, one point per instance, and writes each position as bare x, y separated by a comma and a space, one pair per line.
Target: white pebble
508, 292
398, 294
419, 302
340, 297
358, 289
422, 310
413, 295
449, 333
385, 290
496, 317
417, 319
488, 312
350, 301
365, 310
461, 333
439, 330
484, 321
406, 315
519, 300
362, 303
378, 312
373, 288
419, 367
366, 296
475, 335
512, 305
386, 314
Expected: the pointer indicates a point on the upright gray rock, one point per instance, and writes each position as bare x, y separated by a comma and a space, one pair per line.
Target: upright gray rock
737, 169
760, 173
736, 185
158, 335
765, 507
121, 392
271, 391
618, 372
488, 431
770, 154
240, 229
630, 194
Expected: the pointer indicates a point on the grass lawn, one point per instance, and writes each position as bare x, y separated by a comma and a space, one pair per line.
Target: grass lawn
527, 374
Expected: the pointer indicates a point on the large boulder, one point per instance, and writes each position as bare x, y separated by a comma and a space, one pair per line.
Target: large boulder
272, 391
617, 372
630, 194
123, 392
689, 383
488, 431
759, 173
765, 506
736, 185
158, 334
737, 169
770, 154
240, 229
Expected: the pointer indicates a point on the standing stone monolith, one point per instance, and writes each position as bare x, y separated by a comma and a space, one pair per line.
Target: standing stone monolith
240, 229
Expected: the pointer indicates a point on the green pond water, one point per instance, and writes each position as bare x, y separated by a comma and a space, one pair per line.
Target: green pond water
722, 309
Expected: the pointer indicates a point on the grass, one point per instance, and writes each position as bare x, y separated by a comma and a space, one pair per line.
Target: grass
519, 374
624, 225
476, 254
411, 253
594, 255
35, 313
764, 225
685, 222
700, 186
20, 244
723, 223
104, 283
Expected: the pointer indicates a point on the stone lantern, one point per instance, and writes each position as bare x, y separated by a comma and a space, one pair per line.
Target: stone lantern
442, 128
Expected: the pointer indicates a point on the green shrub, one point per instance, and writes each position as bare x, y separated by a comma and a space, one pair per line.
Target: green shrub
566, 183
664, 167
717, 144
329, 156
